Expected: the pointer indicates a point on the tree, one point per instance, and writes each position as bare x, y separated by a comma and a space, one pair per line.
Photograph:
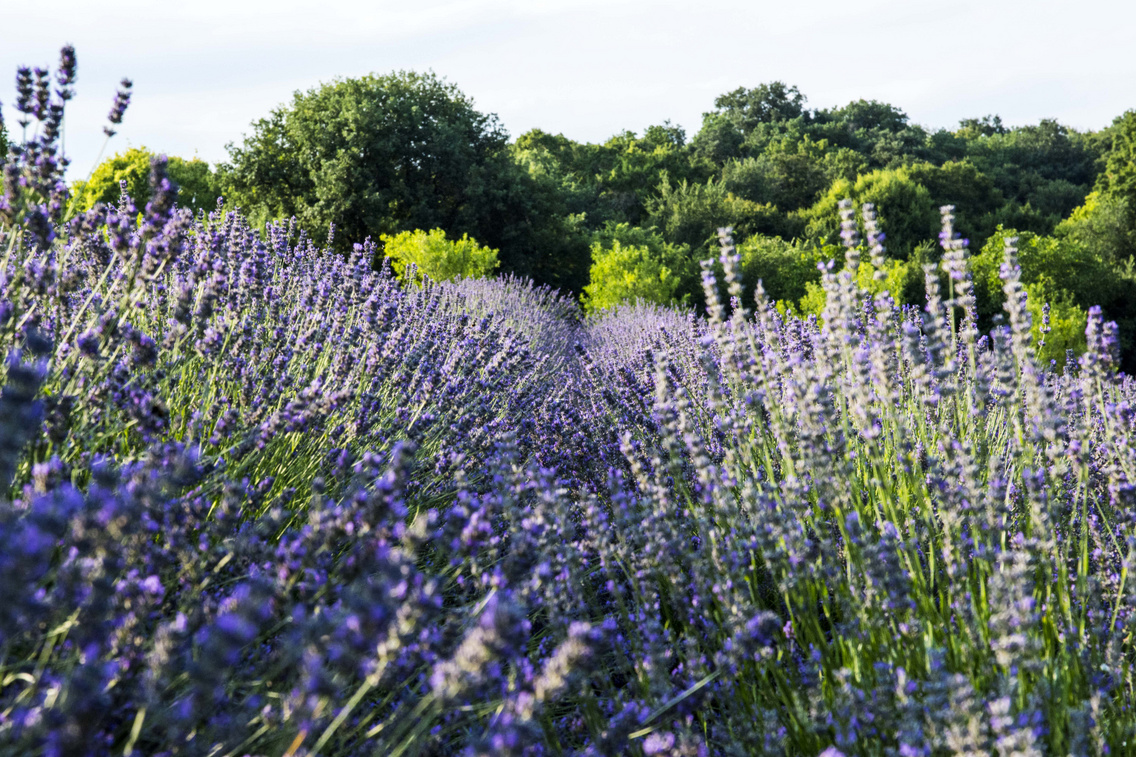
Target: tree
784, 268
971, 192
678, 259
908, 215
625, 274
437, 258
1119, 176
790, 171
987, 126
738, 113
869, 115
382, 154
198, 188
1103, 225
1046, 167
765, 103
691, 214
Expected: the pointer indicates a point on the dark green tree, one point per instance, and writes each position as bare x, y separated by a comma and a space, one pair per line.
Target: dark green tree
765, 103
987, 126
971, 192
690, 214
738, 113
1044, 171
382, 154
1118, 179
611, 182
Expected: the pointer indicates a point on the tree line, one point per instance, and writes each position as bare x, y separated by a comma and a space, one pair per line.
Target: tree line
379, 156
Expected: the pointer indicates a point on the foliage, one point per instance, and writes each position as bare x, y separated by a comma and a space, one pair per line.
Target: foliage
1118, 179
1047, 167
611, 182
627, 273
383, 154
677, 258
738, 113
1103, 226
962, 185
908, 211
197, 184
787, 179
1049, 261
691, 214
437, 258
785, 269
1058, 323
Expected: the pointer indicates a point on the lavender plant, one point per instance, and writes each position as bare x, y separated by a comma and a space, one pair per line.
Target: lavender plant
259, 498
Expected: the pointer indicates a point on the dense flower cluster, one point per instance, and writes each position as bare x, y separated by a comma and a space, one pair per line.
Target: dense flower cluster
259, 498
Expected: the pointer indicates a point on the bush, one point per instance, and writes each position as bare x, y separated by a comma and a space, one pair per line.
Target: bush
1065, 330
627, 274
437, 258
906, 208
784, 268
198, 188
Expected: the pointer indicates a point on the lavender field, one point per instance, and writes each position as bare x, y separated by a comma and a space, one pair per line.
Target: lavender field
259, 497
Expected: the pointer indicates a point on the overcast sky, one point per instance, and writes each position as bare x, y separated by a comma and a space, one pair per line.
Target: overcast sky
205, 70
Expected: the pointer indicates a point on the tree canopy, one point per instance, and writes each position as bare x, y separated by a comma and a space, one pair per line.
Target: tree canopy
198, 188
633, 215
377, 155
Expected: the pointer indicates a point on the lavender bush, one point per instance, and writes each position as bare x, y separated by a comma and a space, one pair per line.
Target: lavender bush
258, 498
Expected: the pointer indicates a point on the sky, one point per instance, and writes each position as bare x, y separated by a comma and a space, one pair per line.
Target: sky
205, 70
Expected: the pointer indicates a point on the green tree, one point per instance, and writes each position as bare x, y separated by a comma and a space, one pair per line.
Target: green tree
785, 269
971, 192
987, 126
1103, 224
437, 258
907, 212
679, 259
1044, 171
691, 214
1118, 179
1067, 321
198, 187
789, 174
382, 154
622, 274
1055, 264
1062, 266
1107, 219
614, 180
738, 113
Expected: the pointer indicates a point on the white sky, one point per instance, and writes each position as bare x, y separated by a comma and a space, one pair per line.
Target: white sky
204, 70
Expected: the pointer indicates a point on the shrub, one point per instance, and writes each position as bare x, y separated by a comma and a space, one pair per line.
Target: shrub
627, 274
784, 268
197, 186
909, 213
437, 258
